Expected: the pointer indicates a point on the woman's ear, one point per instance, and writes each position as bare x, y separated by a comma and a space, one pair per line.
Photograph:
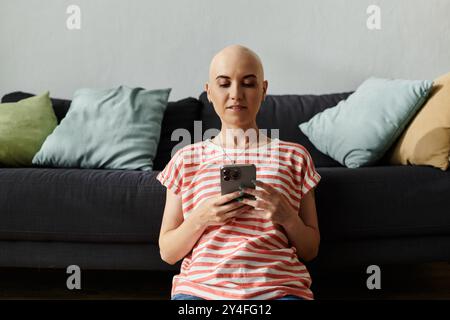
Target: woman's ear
265, 85
207, 91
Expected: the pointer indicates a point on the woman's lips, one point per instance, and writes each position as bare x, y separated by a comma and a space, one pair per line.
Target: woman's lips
236, 108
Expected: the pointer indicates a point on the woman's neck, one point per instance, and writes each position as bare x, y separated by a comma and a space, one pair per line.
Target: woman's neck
240, 138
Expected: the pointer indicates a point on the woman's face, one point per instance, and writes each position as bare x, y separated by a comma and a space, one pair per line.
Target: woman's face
236, 88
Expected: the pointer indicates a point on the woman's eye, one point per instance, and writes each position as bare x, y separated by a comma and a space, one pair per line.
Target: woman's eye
224, 85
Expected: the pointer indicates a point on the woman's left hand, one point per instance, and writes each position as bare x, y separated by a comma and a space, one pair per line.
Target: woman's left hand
270, 203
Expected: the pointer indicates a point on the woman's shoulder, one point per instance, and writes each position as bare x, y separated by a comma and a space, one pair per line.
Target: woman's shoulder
297, 151
292, 145
190, 149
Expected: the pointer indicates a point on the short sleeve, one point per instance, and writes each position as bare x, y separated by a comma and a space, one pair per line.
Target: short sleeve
172, 175
309, 177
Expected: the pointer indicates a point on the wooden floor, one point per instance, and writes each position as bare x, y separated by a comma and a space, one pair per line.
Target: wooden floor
426, 281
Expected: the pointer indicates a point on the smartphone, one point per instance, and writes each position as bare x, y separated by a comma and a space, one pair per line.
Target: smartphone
234, 175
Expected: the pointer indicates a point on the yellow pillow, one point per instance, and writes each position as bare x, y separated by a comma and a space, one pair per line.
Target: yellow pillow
426, 141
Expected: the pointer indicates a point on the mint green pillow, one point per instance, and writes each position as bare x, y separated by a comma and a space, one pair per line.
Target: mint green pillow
359, 130
24, 125
115, 128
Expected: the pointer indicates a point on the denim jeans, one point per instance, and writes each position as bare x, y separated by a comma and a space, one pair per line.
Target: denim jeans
182, 296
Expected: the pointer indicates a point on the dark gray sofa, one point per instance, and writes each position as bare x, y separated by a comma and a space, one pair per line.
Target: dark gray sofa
110, 219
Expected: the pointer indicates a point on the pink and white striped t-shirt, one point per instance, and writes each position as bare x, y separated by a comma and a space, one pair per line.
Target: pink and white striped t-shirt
250, 257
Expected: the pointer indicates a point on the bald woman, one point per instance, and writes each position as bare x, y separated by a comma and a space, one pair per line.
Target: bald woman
247, 249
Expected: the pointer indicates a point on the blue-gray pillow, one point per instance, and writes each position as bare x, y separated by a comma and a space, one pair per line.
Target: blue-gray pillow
359, 130
115, 128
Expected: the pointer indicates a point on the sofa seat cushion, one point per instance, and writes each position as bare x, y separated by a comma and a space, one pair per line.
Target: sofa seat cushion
379, 202
80, 205
84, 205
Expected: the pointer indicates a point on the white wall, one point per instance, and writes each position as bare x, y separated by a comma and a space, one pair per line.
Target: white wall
307, 46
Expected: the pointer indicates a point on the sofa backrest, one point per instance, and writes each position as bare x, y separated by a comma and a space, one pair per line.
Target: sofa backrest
282, 112
285, 113
178, 115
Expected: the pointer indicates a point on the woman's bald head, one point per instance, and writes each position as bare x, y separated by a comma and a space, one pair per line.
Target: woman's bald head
235, 58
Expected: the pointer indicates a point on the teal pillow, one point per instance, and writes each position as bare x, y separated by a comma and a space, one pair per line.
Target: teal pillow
359, 130
24, 125
115, 128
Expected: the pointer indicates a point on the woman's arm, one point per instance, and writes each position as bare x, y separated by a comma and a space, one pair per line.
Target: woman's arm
303, 229
177, 236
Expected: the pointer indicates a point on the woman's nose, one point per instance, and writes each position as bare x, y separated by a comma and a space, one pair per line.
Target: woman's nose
235, 92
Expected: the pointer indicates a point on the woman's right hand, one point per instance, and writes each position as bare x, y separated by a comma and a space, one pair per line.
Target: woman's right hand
216, 211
